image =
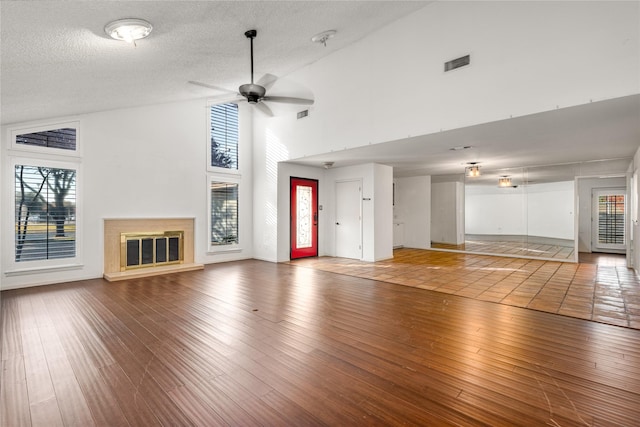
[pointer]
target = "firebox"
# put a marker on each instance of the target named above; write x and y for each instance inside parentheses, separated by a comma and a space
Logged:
(139, 250)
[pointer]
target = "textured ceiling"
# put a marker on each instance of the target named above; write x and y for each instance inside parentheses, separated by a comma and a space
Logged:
(56, 59)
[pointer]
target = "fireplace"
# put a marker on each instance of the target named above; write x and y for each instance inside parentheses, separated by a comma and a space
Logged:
(140, 247)
(143, 250)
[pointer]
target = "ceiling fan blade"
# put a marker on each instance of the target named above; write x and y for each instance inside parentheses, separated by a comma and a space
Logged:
(264, 109)
(208, 86)
(288, 100)
(267, 80)
(226, 99)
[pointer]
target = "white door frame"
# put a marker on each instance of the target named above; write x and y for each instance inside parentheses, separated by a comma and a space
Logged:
(603, 247)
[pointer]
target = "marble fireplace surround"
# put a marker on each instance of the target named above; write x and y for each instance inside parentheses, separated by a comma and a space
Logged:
(113, 227)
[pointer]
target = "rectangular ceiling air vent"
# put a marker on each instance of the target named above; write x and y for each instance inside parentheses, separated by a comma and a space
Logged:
(303, 114)
(457, 63)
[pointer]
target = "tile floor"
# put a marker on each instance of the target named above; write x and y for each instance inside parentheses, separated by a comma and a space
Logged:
(599, 288)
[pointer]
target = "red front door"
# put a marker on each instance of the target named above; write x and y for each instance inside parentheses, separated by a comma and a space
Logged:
(304, 218)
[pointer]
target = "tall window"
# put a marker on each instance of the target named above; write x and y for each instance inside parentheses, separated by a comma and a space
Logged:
(45, 165)
(224, 213)
(45, 213)
(224, 136)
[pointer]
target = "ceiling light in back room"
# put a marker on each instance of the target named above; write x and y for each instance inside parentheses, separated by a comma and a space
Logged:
(504, 181)
(128, 30)
(472, 170)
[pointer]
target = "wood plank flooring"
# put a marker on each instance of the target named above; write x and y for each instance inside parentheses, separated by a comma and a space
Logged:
(605, 292)
(256, 343)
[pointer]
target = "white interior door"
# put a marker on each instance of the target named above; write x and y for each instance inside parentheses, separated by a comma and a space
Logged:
(349, 219)
(609, 212)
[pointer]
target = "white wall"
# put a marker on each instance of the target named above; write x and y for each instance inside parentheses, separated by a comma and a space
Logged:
(144, 162)
(550, 210)
(447, 212)
(543, 210)
(634, 256)
(382, 198)
(489, 211)
(413, 209)
(391, 85)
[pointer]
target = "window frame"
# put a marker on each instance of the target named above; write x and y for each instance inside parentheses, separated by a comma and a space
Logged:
(25, 148)
(217, 169)
(25, 267)
(234, 247)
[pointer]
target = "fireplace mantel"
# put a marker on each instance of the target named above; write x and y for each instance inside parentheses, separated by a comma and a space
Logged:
(113, 229)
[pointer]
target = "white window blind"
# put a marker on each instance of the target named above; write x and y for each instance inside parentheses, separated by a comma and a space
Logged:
(224, 213)
(224, 136)
(611, 222)
(45, 213)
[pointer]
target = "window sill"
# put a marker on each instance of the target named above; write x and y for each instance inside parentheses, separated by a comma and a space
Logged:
(39, 270)
(221, 251)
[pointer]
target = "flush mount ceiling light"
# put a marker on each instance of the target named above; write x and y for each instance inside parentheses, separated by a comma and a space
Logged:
(473, 170)
(504, 181)
(128, 30)
(323, 37)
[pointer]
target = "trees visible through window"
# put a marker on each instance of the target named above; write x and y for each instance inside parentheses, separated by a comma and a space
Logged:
(224, 136)
(45, 213)
(224, 213)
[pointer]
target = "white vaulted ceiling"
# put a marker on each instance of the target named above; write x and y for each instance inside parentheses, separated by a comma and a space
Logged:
(56, 59)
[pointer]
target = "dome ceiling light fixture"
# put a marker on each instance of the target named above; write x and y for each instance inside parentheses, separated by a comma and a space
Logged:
(128, 29)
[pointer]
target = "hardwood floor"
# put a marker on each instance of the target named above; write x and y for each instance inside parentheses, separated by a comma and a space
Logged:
(256, 343)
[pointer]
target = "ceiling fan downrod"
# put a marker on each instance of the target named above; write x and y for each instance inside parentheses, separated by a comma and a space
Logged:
(251, 34)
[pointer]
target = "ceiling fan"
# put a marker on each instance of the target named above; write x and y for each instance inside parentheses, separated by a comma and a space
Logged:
(256, 93)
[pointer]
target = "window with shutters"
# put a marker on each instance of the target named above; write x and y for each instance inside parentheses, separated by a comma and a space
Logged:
(223, 204)
(45, 165)
(45, 213)
(611, 212)
(224, 180)
(223, 136)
